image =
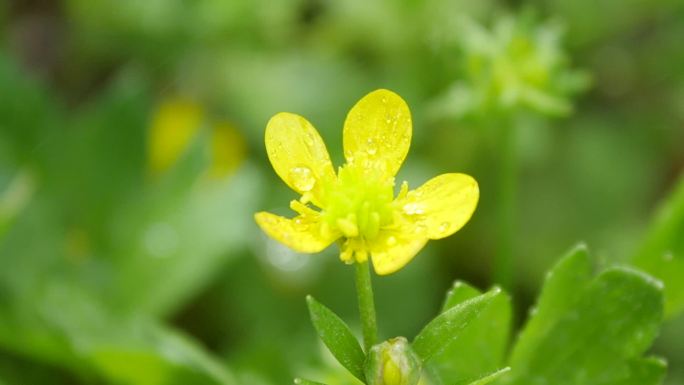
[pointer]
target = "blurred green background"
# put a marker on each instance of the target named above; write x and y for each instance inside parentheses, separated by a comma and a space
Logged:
(132, 161)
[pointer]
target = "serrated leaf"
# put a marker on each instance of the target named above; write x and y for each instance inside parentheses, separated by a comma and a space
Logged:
(481, 345)
(448, 326)
(661, 253)
(491, 377)
(563, 288)
(337, 336)
(596, 340)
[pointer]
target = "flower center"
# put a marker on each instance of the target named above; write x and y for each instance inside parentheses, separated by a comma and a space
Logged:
(360, 203)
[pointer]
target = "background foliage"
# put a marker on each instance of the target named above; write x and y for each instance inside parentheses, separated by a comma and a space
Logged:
(132, 159)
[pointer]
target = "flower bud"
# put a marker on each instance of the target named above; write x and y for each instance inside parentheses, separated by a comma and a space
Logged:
(393, 362)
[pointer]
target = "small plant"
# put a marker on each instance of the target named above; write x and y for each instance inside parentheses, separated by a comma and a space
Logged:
(586, 328)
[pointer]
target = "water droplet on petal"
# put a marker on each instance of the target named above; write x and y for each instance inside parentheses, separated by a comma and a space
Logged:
(309, 139)
(391, 240)
(413, 209)
(443, 227)
(372, 148)
(301, 224)
(421, 228)
(302, 178)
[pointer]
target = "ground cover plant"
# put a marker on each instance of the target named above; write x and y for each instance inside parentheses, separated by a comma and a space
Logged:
(341, 193)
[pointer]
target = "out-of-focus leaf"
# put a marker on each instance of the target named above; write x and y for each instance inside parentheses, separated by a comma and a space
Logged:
(337, 337)
(184, 240)
(66, 328)
(662, 251)
(14, 198)
(589, 332)
(491, 377)
(481, 346)
(301, 381)
(447, 327)
(23, 370)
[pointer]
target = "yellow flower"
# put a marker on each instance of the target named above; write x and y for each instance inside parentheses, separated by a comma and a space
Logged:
(357, 205)
(174, 126)
(177, 123)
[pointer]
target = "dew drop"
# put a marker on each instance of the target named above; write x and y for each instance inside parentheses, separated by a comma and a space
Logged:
(413, 209)
(443, 227)
(309, 139)
(302, 178)
(301, 224)
(372, 148)
(391, 240)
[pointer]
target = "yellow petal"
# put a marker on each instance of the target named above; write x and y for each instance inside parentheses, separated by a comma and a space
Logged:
(305, 235)
(377, 132)
(392, 250)
(298, 155)
(441, 206)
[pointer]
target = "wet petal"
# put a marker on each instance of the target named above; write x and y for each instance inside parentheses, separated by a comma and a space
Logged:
(298, 155)
(441, 206)
(392, 250)
(305, 235)
(377, 132)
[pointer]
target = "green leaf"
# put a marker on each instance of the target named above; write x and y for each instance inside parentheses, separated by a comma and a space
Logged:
(459, 292)
(661, 253)
(481, 346)
(448, 326)
(301, 381)
(589, 332)
(337, 337)
(645, 371)
(563, 288)
(65, 327)
(491, 377)
(206, 225)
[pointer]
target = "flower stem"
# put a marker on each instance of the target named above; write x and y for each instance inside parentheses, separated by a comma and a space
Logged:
(507, 189)
(364, 291)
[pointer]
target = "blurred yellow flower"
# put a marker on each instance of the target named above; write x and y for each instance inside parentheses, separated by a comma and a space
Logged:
(174, 125)
(228, 150)
(357, 205)
(177, 123)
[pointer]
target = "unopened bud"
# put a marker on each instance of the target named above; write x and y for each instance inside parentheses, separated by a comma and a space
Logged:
(393, 362)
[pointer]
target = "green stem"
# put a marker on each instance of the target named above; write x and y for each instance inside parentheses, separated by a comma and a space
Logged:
(364, 291)
(507, 190)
